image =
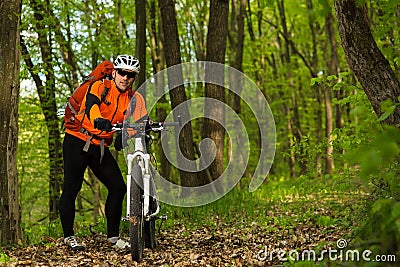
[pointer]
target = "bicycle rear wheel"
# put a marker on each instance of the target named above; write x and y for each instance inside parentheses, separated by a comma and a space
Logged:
(136, 219)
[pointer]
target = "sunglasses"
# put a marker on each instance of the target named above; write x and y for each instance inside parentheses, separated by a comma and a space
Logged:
(129, 74)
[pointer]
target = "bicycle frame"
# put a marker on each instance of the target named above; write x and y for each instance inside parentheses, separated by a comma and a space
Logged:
(143, 160)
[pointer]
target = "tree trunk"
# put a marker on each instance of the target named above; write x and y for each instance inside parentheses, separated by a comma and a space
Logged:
(48, 104)
(372, 69)
(333, 63)
(293, 137)
(10, 216)
(177, 93)
(66, 47)
(329, 162)
(216, 47)
(140, 7)
(120, 25)
(318, 130)
(236, 40)
(197, 31)
(320, 96)
(157, 58)
(98, 210)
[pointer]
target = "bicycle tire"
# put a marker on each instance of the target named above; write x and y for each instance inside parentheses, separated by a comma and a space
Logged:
(136, 220)
(150, 226)
(150, 229)
(150, 237)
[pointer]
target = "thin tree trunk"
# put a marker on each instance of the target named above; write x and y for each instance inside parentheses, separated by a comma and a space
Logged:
(98, 210)
(66, 47)
(140, 7)
(157, 56)
(333, 63)
(198, 32)
(320, 96)
(10, 215)
(297, 132)
(285, 56)
(120, 25)
(236, 39)
(48, 104)
(318, 131)
(333, 70)
(328, 131)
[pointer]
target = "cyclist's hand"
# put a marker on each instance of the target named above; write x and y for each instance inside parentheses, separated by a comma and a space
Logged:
(118, 142)
(102, 124)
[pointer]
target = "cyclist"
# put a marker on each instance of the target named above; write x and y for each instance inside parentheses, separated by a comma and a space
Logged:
(89, 147)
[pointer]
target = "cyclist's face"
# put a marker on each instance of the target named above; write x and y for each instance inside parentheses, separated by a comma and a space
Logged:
(124, 78)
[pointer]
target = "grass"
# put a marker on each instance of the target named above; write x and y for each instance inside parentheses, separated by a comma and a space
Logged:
(279, 203)
(323, 201)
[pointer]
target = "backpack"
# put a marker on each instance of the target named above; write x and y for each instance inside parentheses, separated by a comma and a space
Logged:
(73, 105)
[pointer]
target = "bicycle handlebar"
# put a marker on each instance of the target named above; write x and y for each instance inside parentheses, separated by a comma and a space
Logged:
(146, 125)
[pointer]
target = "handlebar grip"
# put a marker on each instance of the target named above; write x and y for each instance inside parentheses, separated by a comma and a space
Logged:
(154, 126)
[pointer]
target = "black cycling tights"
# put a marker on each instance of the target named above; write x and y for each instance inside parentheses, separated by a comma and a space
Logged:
(108, 172)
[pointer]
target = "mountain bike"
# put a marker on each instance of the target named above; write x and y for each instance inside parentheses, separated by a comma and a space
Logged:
(142, 205)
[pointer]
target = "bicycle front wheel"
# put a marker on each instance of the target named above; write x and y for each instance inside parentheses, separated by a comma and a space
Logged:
(136, 216)
(150, 228)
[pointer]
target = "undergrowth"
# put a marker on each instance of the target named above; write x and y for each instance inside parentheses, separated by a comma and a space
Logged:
(269, 203)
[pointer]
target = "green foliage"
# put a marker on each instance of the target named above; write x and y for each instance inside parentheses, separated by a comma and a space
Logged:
(388, 108)
(386, 36)
(32, 162)
(378, 156)
(379, 169)
(4, 258)
(298, 201)
(39, 234)
(382, 230)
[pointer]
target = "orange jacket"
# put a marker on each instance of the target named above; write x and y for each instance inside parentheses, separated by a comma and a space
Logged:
(113, 109)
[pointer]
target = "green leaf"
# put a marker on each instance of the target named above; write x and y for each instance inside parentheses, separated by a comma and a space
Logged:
(389, 112)
(332, 78)
(4, 258)
(388, 107)
(315, 81)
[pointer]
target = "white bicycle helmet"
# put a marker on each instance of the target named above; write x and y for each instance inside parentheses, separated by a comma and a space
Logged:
(127, 62)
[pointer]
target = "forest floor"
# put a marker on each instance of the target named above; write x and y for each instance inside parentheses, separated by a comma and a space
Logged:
(235, 238)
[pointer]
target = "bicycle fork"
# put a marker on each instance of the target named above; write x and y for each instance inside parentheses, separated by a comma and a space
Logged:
(144, 163)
